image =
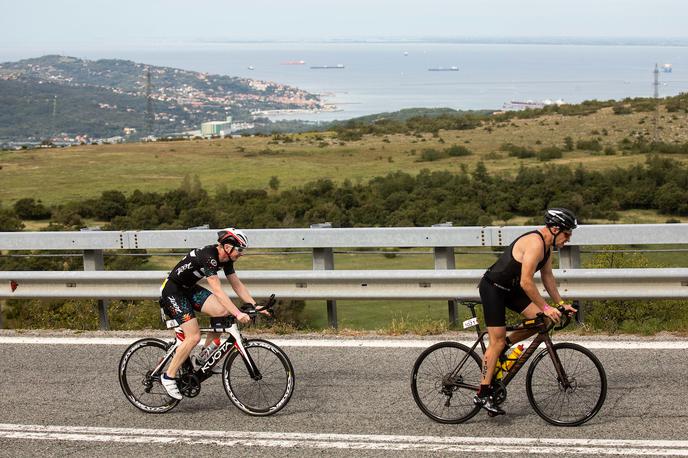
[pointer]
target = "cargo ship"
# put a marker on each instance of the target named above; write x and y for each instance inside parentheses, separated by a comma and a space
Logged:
(327, 67)
(453, 68)
(294, 62)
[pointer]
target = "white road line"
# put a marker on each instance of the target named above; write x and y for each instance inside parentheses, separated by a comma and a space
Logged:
(348, 441)
(349, 343)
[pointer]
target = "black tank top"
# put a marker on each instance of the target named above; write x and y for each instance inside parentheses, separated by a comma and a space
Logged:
(506, 272)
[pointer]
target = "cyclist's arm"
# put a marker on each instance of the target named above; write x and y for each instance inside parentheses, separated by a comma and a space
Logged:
(240, 289)
(216, 288)
(549, 282)
(550, 285)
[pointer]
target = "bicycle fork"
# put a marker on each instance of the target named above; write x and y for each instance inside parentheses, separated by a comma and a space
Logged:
(239, 345)
(562, 378)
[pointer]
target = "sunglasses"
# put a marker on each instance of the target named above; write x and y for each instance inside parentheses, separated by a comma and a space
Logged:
(240, 249)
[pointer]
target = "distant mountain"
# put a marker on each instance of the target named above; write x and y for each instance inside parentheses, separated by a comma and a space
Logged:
(52, 95)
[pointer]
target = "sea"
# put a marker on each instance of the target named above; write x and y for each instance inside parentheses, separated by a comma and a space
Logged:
(385, 77)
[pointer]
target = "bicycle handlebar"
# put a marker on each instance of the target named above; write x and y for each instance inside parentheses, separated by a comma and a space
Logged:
(565, 319)
(253, 310)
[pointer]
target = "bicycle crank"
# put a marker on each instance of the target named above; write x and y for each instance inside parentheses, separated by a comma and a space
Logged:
(189, 385)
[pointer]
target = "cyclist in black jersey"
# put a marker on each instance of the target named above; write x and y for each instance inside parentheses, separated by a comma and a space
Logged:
(509, 283)
(181, 296)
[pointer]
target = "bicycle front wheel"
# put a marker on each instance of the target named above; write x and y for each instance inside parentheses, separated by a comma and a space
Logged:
(140, 387)
(444, 381)
(264, 395)
(569, 402)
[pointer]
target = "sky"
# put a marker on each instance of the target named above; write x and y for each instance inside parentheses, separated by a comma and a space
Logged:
(40, 26)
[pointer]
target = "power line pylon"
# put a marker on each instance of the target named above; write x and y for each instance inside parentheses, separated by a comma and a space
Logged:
(150, 116)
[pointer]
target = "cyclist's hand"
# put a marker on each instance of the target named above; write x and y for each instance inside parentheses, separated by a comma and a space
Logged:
(553, 314)
(569, 309)
(243, 318)
(264, 311)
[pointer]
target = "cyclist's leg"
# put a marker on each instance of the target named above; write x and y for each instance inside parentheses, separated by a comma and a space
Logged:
(521, 303)
(495, 320)
(209, 304)
(192, 335)
(177, 305)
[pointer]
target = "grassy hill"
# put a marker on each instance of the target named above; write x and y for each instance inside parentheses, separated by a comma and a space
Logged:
(59, 175)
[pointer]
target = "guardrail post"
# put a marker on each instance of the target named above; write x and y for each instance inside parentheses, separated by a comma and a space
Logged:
(444, 259)
(323, 259)
(569, 258)
(93, 260)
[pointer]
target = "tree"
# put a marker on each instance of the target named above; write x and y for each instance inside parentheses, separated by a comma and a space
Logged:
(274, 183)
(568, 143)
(28, 208)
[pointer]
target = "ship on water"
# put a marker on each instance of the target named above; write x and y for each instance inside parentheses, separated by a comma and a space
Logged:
(327, 67)
(453, 68)
(294, 62)
(519, 105)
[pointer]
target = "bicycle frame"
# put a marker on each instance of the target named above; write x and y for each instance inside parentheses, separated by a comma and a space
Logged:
(542, 336)
(234, 342)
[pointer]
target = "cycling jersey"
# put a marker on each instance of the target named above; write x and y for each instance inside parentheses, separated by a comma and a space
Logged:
(500, 286)
(198, 264)
(180, 295)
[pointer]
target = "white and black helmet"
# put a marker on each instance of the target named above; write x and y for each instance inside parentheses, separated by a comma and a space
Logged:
(562, 218)
(234, 237)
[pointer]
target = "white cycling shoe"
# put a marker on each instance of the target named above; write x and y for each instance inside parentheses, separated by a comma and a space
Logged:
(170, 386)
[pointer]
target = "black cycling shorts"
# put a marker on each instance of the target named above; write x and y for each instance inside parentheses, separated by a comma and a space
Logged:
(495, 300)
(180, 303)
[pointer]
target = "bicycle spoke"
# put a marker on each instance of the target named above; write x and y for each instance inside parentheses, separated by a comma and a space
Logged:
(431, 387)
(266, 395)
(571, 401)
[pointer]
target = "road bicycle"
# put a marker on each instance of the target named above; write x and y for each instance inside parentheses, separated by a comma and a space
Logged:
(566, 383)
(257, 375)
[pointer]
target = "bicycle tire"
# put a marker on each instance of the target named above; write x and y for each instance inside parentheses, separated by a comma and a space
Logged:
(262, 397)
(146, 393)
(577, 404)
(429, 382)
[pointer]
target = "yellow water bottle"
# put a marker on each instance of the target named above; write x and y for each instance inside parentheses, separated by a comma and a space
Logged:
(498, 374)
(511, 358)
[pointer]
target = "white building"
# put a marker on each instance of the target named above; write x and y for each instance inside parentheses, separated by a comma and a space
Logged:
(212, 128)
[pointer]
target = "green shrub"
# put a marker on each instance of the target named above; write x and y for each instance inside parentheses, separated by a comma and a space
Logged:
(520, 152)
(549, 153)
(458, 150)
(589, 145)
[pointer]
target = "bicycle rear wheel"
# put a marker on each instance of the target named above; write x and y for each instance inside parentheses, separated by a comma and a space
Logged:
(272, 391)
(141, 388)
(441, 396)
(569, 404)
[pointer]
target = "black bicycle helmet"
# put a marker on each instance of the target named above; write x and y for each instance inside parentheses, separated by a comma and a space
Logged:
(234, 237)
(562, 218)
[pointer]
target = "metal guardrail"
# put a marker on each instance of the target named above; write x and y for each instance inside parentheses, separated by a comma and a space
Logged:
(324, 237)
(350, 284)
(326, 283)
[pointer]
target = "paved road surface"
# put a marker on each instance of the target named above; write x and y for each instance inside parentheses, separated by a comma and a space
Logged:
(65, 400)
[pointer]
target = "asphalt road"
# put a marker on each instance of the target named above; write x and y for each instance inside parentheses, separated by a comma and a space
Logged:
(348, 401)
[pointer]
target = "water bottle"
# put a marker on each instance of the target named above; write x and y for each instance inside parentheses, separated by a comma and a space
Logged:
(207, 351)
(511, 358)
(499, 373)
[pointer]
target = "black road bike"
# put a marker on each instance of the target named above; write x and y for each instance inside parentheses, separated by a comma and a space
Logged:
(566, 383)
(257, 375)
